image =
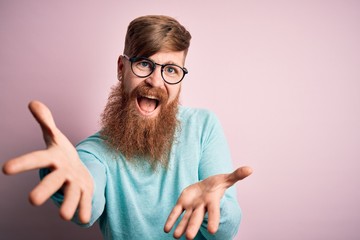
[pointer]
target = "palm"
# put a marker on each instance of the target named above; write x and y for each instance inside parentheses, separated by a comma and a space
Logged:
(200, 197)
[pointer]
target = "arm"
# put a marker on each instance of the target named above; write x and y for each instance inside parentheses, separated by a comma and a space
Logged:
(216, 160)
(67, 173)
(98, 172)
(211, 195)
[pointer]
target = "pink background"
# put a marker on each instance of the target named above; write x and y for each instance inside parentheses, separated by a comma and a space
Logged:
(282, 76)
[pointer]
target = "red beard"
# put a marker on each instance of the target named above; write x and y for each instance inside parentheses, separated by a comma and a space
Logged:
(126, 131)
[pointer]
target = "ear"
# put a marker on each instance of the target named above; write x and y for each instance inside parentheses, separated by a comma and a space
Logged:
(120, 66)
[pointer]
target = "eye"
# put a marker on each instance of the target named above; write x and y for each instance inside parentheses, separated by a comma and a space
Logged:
(172, 70)
(144, 64)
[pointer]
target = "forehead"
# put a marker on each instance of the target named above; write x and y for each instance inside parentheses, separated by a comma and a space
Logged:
(164, 57)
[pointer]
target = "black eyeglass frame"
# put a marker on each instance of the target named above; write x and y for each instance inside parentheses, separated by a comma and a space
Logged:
(136, 59)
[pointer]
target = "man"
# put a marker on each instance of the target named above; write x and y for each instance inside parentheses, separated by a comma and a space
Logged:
(155, 167)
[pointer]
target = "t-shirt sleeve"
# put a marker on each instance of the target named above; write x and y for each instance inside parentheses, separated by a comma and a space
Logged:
(90, 153)
(216, 159)
(98, 173)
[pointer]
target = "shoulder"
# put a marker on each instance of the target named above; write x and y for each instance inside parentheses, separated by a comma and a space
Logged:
(196, 115)
(94, 145)
(93, 140)
(199, 122)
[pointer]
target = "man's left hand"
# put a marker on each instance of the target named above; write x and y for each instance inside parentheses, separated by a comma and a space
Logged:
(199, 198)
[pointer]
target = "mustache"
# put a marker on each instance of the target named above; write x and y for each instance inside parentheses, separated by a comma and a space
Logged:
(144, 90)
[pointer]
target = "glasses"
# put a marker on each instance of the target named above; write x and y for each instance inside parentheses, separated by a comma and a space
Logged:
(144, 67)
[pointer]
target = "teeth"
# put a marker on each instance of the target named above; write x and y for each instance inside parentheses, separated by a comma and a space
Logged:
(151, 97)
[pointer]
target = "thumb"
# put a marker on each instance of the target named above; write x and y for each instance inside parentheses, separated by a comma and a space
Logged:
(44, 117)
(239, 174)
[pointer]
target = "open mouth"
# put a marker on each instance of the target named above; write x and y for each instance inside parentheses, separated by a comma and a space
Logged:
(148, 104)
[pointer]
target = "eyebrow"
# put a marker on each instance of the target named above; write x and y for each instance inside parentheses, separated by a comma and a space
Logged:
(168, 62)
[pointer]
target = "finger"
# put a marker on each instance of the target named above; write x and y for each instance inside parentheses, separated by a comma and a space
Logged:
(173, 216)
(85, 207)
(47, 187)
(214, 216)
(238, 175)
(195, 222)
(180, 229)
(71, 201)
(30, 161)
(44, 117)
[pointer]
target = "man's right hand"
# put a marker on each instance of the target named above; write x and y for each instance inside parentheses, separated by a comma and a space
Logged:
(68, 173)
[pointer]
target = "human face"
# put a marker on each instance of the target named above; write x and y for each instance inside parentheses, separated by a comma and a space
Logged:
(146, 105)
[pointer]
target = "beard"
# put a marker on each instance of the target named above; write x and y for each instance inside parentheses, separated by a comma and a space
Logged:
(136, 136)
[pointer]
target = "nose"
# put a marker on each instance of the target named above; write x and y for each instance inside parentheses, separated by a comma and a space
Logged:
(155, 79)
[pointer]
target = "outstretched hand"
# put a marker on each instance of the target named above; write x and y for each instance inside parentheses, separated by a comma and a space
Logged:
(199, 198)
(68, 174)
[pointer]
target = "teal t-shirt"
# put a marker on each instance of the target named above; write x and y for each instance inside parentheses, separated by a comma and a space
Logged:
(132, 201)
